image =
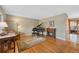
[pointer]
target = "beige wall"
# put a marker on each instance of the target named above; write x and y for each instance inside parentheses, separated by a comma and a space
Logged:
(26, 24)
(60, 24)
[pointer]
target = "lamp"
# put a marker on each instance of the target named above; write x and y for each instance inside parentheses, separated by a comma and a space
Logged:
(2, 26)
(18, 28)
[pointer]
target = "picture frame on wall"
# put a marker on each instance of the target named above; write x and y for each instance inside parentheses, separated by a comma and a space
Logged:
(51, 23)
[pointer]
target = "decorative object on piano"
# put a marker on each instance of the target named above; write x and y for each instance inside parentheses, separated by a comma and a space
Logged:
(2, 26)
(38, 30)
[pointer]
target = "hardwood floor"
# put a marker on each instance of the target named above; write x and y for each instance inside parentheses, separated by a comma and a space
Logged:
(51, 45)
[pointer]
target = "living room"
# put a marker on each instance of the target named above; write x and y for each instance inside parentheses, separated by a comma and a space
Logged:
(40, 29)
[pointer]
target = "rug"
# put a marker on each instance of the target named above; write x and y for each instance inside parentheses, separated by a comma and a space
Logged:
(27, 43)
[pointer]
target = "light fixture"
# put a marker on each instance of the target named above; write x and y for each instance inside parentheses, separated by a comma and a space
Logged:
(3, 24)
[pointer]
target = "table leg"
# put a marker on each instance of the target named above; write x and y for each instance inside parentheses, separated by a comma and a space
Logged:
(14, 46)
(2, 47)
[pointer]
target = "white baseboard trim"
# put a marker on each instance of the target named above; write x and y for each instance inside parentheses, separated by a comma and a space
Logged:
(44, 34)
(60, 38)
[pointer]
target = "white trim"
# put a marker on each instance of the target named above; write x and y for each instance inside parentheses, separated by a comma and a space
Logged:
(60, 38)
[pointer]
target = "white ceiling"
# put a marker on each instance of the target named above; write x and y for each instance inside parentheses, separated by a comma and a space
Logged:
(41, 11)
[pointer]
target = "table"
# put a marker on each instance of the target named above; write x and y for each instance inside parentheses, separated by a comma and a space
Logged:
(51, 32)
(7, 39)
